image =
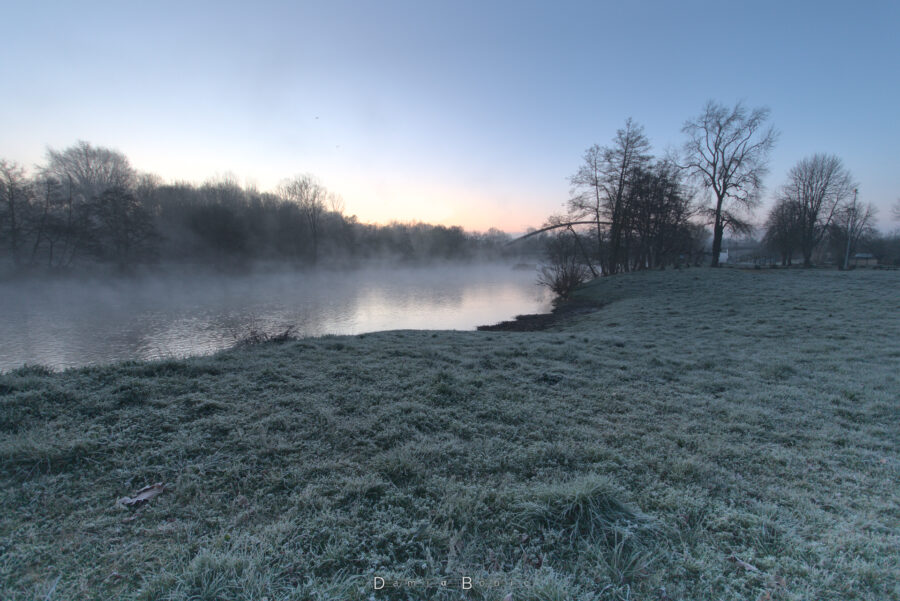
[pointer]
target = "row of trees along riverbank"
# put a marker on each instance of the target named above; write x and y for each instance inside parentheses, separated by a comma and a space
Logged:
(87, 206)
(629, 210)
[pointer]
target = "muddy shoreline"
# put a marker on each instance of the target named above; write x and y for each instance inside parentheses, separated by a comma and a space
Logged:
(542, 321)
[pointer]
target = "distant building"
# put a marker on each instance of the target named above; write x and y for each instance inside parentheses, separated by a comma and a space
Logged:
(723, 256)
(863, 260)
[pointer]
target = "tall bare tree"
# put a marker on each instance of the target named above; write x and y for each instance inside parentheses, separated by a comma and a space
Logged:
(818, 186)
(600, 187)
(85, 172)
(91, 169)
(310, 196)
(851, 223)
(47, 226)
(15, 191)
(728, 151)
(586, 202)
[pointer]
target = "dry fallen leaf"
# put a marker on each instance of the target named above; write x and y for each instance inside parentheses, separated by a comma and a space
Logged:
(743, 564)
(143, 495)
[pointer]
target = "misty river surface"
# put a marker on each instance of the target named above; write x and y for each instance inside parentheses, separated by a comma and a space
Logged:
(75, 323)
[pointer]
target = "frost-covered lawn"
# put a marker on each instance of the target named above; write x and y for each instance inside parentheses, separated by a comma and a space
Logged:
(705, 435)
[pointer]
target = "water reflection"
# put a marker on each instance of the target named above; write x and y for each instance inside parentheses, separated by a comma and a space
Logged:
(64, 324)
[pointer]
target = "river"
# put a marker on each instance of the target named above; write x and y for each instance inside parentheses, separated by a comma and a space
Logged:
(64, 323)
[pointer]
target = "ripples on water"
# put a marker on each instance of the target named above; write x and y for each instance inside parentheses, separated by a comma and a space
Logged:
(65, 324)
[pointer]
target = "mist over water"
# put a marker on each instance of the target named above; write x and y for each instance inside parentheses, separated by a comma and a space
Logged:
(75, 323)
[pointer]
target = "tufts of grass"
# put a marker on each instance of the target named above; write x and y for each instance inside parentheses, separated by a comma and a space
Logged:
(587, 507)
(624, 560)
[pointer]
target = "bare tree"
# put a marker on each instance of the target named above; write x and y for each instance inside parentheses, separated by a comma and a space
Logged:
(600, 187)
(728, 150)
(310, 196)
(851, 223)
(90, 169)
(640, 210)
(47, 223)
(659, 206)
(586, 202)
(336, 203)
(818, 186)
(15, 192)
(85, 172)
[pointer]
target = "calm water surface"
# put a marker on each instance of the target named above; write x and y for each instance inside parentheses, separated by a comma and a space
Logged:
(65, 324)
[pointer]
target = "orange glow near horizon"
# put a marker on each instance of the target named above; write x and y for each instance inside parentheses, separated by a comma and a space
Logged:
(471, 210)
(377, 198)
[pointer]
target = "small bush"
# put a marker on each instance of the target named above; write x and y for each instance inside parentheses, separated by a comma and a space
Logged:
(565, 270)
(563, 276)
(257, 336)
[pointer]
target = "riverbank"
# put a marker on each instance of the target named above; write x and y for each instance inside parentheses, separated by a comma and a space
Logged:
(534, 322)
(706, 434)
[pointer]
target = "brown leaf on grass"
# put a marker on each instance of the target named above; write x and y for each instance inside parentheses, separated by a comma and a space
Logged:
(143, 495)
(766, 596)
(743, 564)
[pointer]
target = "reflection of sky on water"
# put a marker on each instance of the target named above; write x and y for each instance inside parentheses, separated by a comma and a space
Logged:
(70, 324)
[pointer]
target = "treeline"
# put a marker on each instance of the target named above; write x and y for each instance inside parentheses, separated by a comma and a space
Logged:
(87, 206)
(627, 211)
(817, 217)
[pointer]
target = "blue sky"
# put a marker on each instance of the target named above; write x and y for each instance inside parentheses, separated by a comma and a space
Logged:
(471, 113)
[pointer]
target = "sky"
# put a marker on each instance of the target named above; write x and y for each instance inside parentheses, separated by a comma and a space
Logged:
(459, 113)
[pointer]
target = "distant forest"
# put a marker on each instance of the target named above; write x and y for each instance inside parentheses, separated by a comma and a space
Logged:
(88, 207)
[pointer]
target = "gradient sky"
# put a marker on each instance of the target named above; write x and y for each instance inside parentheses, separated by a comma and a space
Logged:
(469, 113)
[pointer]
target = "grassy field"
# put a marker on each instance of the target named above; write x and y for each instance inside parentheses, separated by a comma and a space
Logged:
(705, 434)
